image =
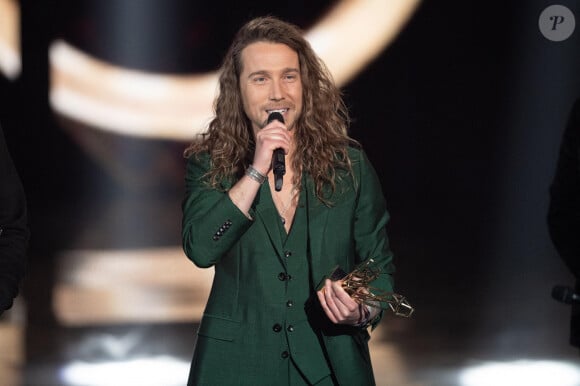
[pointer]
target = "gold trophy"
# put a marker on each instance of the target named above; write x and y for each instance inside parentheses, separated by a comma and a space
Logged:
(357, 285)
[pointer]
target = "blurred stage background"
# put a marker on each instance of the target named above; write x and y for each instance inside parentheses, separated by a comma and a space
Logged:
(460, 106)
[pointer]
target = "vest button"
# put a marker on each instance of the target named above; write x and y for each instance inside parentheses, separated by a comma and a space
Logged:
(285, 354)
(277, 328)
(282, 276)
(289, 303)
(290, 328)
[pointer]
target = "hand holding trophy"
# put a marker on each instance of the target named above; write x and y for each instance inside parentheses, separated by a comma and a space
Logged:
(357, 285)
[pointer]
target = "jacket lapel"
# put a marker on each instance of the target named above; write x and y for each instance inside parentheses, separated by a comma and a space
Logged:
(317, 216)
(267, 215)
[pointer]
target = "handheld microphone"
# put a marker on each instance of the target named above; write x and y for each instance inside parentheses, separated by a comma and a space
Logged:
(565, 294)
(278, 157)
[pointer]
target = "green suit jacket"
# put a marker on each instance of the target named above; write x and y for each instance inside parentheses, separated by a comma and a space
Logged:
(236, 343)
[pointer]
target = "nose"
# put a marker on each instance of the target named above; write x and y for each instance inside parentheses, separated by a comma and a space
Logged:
(276, 93)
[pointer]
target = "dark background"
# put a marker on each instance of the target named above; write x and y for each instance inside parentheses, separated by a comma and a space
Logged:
(461, 116)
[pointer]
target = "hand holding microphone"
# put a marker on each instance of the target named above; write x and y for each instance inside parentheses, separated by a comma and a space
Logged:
(278, 156)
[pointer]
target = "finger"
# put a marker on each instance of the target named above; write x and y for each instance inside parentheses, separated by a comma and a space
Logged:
(350, 311)
(266, 143)
(324, 305)
(334, 305)
(328, 295)
(342, 297)
(343, 313)
(273, 139)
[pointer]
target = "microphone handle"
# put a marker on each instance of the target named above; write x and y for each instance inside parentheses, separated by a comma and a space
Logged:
(279, 167)
(278, 157)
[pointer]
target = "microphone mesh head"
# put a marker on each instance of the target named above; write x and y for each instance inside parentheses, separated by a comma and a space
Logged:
(275, 115)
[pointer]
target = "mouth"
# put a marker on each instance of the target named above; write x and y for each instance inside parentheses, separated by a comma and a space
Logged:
(281, 111)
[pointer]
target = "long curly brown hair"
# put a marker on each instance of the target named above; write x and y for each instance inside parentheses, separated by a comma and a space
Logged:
(321, 130)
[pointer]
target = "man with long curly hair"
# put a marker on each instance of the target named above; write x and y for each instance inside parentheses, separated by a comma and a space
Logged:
(273, 316)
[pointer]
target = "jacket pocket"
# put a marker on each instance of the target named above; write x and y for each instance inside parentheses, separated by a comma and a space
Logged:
(218, 328)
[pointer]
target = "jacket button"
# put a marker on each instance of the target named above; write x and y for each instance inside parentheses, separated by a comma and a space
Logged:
(285, 354)
(289, 303)
(277, 328)
(215, 237)
(282, 276)
(287, 253)
(290, 328)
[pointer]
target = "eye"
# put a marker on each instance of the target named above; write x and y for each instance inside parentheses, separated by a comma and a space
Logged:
(259, 79)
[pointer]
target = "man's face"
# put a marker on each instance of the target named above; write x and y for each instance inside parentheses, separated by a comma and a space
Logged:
(270, 80)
